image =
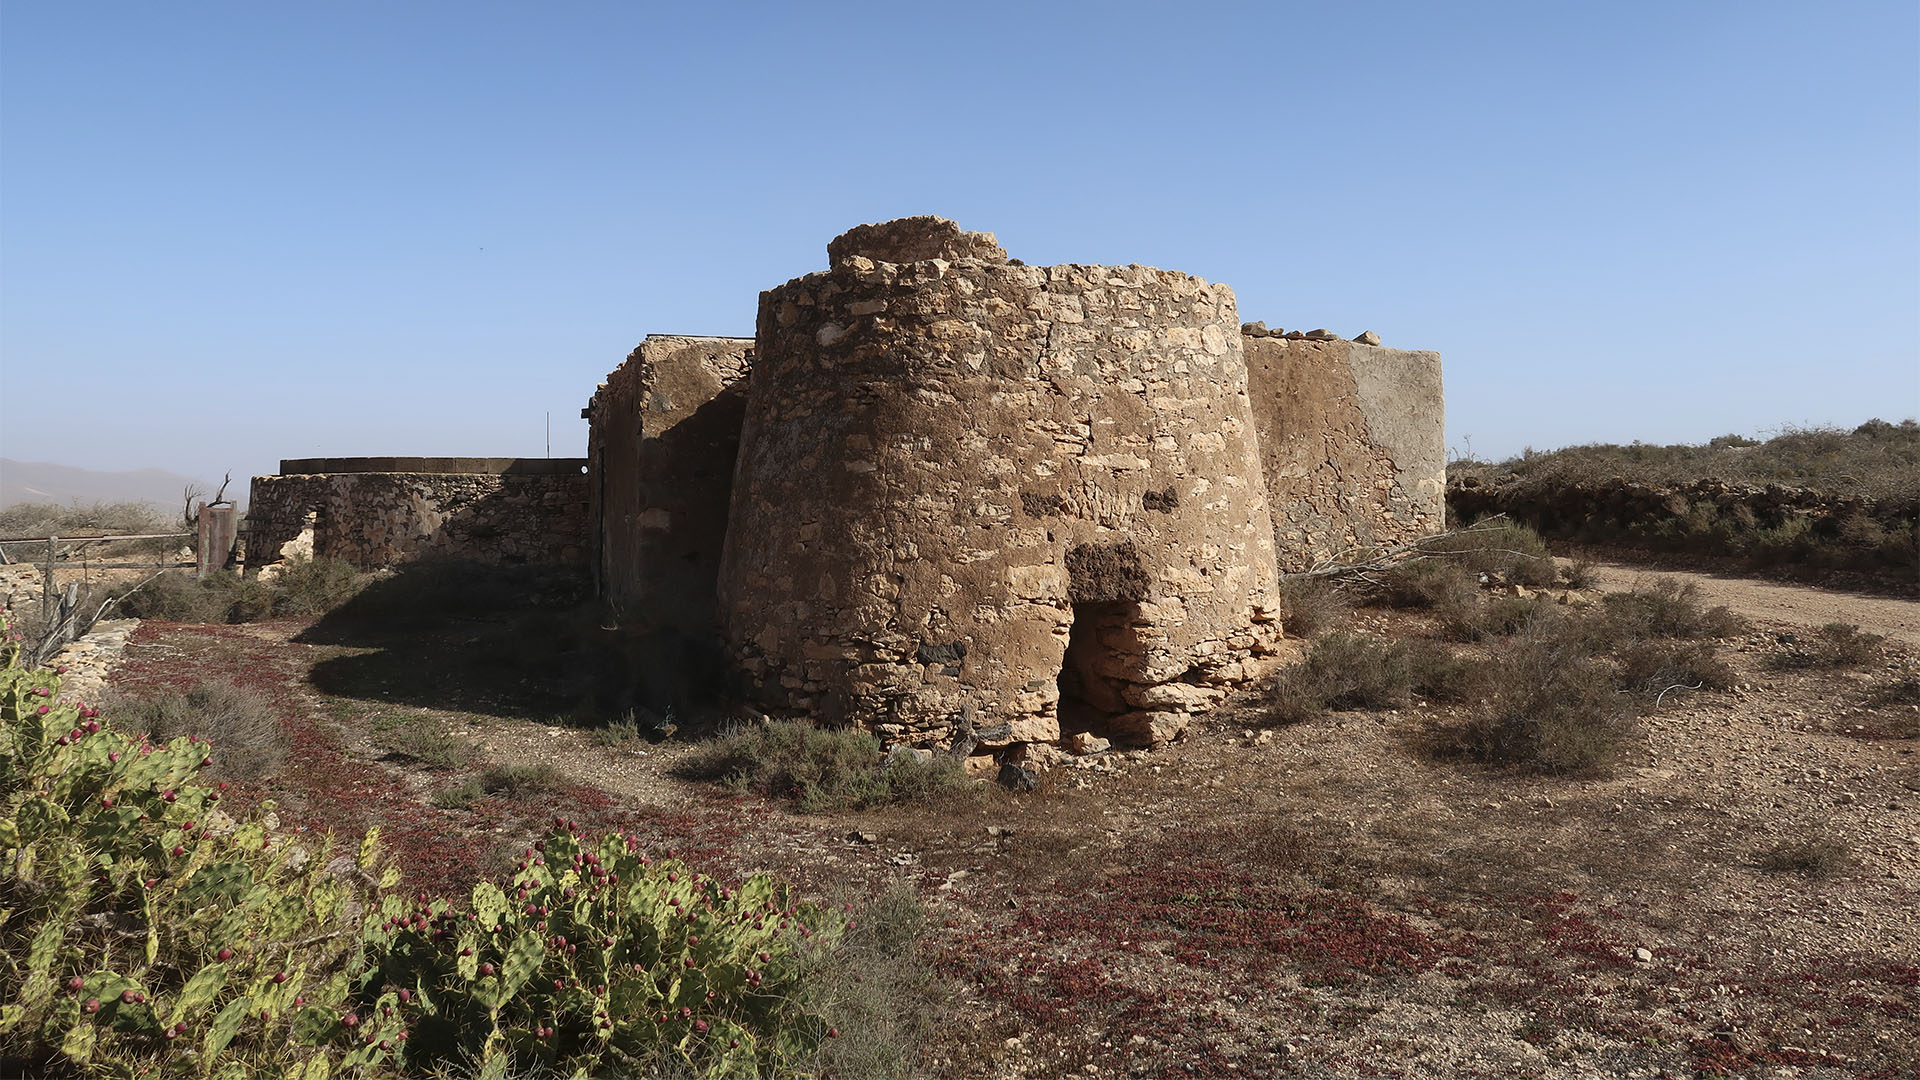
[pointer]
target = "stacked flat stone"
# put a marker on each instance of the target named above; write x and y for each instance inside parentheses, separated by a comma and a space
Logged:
(946, 451)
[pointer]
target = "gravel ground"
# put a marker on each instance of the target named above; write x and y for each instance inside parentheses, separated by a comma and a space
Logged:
(1322, 900)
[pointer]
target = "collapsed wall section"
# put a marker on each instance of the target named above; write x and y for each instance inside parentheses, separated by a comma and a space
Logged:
(663, 431)
(375, 514)
(946, 462)
(1352, 444)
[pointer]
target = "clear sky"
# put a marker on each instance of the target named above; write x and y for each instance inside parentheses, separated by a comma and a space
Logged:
(231, 233)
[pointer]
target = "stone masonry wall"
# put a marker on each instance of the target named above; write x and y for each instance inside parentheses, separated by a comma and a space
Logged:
(949, 458)
(663, 433)
(1352, 442)
(376, 520)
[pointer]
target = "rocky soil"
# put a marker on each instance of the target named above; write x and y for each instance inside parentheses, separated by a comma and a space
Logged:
(1323, 900)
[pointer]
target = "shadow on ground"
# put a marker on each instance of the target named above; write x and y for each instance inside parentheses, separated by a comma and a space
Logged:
(519, 642)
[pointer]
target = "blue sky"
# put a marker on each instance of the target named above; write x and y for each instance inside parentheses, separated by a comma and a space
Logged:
(231, 233)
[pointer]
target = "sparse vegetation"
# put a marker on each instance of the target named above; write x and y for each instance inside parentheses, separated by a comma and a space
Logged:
(235, 952)
(821, 769)
(880, 985)
(460, 796)
(302, 587)
(1875, 459)
(1350, 671)
(1310, 606)
(517, 781)
(1548, 705)
(242, 724)
(36, 519)
(1817, 498)
(421, 739)
(1835, 646)
(1813, 856)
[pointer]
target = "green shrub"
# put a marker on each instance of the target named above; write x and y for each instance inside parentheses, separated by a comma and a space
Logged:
(145, 933)
(515, 781)
(822, 769)
(422, 739)
(243, 724)
(622, 732)
(460, 796)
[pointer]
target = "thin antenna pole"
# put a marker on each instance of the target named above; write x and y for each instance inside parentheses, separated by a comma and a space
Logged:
(549, 432)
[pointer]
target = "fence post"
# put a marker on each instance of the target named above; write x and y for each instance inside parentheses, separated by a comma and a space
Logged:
(217, 534)
(69, 612)
(46, 583)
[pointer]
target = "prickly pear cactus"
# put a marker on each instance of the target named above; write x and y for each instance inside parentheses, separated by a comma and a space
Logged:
(595, 957)
(143, 929)
(145, 932)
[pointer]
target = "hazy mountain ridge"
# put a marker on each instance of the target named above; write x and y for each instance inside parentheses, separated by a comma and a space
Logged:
(44, 481)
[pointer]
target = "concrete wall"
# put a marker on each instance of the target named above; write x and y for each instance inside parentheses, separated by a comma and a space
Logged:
(507, 511)
(663, 432)
(949, 460)
(1352, 444)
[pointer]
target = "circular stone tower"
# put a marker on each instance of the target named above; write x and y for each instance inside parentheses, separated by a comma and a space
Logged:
(964, 481)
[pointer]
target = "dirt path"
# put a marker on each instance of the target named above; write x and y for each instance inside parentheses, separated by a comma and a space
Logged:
(1804, 605)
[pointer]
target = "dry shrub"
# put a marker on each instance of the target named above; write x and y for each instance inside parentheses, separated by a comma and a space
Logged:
(1813, 856)
(1547, 705)
(1581, 573)
(881, 991)
(304, 587)
(1664, 608)
(1512, 552)
(1834, 646)
(1877, 458)
(1350, 671)
(1441, 674)
(1650, 668)
(315, 586)
(1310, 606)
(1501, 617)
(250, 743)
(1895, 692)
(822, 769)
(1432, 583)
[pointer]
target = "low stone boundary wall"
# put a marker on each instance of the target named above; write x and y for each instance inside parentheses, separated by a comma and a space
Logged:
(492, 510)
(1771, 523)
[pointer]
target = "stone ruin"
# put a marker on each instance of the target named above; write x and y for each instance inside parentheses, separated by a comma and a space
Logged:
(939, 483)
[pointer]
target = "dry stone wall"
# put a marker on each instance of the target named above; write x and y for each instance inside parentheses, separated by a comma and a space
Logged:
(1352, 442)
(503, 511)
(955, 470)
(663, 433)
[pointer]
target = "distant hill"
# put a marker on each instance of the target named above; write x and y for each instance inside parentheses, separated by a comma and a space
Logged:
(45, 482)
